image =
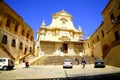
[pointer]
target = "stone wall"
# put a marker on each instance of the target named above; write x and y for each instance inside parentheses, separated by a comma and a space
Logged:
(17, 38)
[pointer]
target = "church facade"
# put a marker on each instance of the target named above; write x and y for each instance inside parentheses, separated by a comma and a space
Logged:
(60, 37)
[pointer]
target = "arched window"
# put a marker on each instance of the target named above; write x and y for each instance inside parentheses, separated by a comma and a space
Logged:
(23, 32)
(112, 18)
(31, 38)
(102, 33)
(4, 39)
(30, 49)
(21, 45)
(97, 38)
(25, 51)
(27, 35)
(13, 43)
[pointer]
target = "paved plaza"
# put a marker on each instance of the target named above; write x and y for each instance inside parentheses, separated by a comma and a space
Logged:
(55, 71)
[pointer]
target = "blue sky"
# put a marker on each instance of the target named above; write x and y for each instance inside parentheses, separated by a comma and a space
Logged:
(86, 13)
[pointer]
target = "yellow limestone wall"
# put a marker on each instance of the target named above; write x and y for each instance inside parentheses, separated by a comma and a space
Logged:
(113, 57)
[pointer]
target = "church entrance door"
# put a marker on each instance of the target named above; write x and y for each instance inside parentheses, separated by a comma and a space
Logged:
(65, 48)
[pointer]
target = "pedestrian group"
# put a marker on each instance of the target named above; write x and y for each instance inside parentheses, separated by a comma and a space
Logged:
(83, 62)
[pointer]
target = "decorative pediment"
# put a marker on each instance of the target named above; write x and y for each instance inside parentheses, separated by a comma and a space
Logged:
(64, 38)
(62, 13)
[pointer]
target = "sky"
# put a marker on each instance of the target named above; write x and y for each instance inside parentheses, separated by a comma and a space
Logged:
(86, 13)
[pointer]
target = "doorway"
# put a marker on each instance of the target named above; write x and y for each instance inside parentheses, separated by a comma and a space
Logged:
(65, 47)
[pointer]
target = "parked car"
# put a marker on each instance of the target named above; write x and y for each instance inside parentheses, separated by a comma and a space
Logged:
(6, 63)
(67, 63)
(99, 63)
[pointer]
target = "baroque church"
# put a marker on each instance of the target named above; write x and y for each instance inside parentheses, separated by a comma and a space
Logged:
(60, 37)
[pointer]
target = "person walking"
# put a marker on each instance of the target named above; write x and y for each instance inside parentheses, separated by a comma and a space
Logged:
(27, 63)
(83, 62)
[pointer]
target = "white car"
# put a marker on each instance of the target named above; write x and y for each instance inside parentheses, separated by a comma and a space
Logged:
(67, 63)
(6, 63)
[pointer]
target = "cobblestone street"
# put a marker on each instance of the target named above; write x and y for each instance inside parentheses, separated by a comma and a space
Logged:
(54, 71)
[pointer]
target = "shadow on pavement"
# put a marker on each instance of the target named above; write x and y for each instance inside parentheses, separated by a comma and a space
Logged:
(112, 76)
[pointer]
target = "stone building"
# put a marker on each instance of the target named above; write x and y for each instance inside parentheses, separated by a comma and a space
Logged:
(16, 36)
(60, 37)
(105, 41)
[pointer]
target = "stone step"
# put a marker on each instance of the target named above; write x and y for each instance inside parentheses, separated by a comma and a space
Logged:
(58, 60)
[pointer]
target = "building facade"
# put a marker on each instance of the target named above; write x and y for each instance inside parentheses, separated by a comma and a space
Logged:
(16, 37)
(105, 42)
(60, 37)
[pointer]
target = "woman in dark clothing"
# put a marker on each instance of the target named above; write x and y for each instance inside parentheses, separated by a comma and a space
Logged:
(83, 62)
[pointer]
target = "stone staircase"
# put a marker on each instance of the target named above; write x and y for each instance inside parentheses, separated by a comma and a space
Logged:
(7, 52)
(16, 60)
(58, 60)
